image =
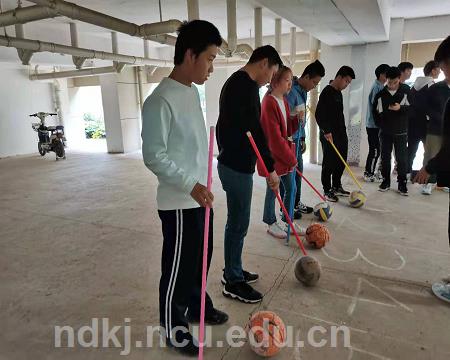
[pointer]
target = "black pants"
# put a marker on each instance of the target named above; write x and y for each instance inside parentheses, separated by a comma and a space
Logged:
(332, 166)
(181, 266)
(413, 145)
(373, 137)
(398, 142)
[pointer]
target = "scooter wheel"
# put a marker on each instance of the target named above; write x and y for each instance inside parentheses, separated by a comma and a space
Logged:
(41, 149)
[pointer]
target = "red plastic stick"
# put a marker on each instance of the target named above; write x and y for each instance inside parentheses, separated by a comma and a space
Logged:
(312, 186)
(205, 247)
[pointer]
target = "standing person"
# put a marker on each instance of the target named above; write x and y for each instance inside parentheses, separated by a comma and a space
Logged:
(331, 121)
(175, 149)
(437, 96)
(405, 68)
(239, 112)
(440, 164)
(373, 132)
(279, 126)
(390, 110)
(417, 127)
(297, 99)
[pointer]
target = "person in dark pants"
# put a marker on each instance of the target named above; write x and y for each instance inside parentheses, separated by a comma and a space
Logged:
(440, 164)
(417, 124)
(331, 121)
(239, 112)
(298, 99)
(373, 132)
(390, 110)
(173, 120)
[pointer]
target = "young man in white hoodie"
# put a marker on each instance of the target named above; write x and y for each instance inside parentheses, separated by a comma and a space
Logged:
(417, 129)
(175, 149)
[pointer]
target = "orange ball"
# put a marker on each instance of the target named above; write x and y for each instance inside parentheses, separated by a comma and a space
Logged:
(317, 235)
(266, 332)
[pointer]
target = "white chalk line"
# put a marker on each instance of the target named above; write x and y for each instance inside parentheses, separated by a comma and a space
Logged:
(360, 254)
(360, 299)
(352, 348)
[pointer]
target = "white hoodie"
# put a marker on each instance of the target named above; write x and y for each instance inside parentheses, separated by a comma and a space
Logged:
(423, 81)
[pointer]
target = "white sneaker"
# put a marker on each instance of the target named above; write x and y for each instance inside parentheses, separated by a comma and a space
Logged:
(369, 178)
(277, 230)
(300, 230)
(427, 189)
(378, 178)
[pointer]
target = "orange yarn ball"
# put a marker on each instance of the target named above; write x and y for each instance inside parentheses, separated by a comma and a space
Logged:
(267, 333)
(317, 235)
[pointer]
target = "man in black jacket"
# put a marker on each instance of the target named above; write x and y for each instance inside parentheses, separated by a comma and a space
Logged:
(440, 164)
(331, 120)
(417, 130)
(437, 96)
(239, 112)
(390, 111)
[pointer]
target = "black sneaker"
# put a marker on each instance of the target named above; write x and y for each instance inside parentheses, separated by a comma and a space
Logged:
(304, 209)
(402, 189)
(243, 292)
(331, 196)
(185, 344)
(297, 214)
(249, 277)
(341, 192)
(212, 317)
(385, 186)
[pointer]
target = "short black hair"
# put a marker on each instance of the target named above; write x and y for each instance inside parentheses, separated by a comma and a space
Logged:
(381, 69)
(393, 72)
(196, 35)
(345, 71)
(429, 67)
(443, 51)
(314, 69)
(405, 65)
(266, 52)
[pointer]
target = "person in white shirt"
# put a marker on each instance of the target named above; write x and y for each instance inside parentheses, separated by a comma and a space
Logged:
(175, 149)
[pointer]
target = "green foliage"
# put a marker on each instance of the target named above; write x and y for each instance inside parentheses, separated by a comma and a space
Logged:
(94, 127)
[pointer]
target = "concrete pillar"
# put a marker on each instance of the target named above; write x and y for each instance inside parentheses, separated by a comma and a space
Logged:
(258, 27)
(293, 45)
(314, 46)
(278, 34)
(193, 10)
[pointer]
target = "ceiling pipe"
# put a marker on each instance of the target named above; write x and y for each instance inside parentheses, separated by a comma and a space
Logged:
(93, 17)
(258, 27)
(22, 15)
(193, 10)
(40, 46)
(77, 60)
(74, 73)
(231, 25)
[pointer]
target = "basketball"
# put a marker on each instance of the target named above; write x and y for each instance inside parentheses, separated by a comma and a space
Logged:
(357, 199)
(323, 211)
(307, 270)
(266, 332)
(317, 235)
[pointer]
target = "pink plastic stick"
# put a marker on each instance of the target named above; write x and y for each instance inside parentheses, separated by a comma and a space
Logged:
(312, 187)
(205, 247)
(285, 212)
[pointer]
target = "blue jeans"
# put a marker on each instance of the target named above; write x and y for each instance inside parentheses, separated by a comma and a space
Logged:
(269, 216)
(298, 179)
(238, 188)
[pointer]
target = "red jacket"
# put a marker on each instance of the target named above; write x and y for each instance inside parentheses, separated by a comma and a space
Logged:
(274, 127)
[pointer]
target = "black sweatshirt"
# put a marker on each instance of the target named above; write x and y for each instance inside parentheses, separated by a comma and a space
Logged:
(239, 112)
(440, 164)
(437, 95)
(330, 112)
(389, 121)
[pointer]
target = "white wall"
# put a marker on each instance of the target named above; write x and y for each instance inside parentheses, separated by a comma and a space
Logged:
(19, 98)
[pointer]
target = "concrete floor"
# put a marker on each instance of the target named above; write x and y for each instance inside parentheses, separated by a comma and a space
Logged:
(81, 239)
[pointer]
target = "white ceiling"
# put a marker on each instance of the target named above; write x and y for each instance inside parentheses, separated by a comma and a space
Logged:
(419, 8)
